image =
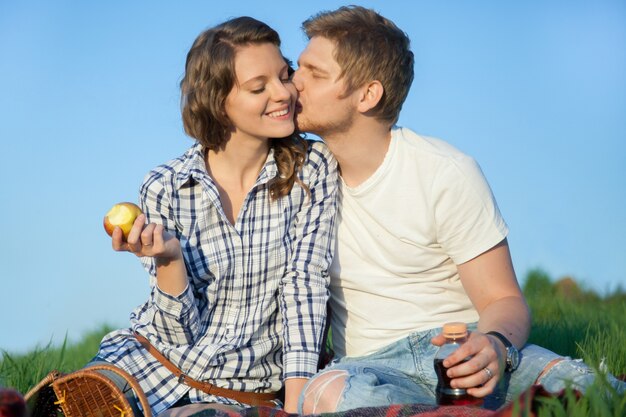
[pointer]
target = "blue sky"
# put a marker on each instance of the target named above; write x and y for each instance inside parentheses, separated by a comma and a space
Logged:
(89, 102)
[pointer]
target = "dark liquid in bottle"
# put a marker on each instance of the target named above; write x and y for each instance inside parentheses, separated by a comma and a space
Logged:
(447, 395)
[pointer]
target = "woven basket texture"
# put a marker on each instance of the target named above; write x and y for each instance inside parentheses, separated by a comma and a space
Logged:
(85, 393)
(90, 394)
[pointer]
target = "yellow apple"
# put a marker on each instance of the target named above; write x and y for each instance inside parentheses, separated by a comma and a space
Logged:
(122, 215)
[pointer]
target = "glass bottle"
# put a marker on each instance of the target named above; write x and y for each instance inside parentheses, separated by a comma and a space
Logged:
(456, 335)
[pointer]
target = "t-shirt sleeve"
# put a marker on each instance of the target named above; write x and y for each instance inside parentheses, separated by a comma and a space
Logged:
(467, 215)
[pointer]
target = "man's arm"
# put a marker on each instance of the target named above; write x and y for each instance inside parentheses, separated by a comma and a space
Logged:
(489, 281)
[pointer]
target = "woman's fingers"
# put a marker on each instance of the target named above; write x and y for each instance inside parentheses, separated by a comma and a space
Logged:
(146, 240)
(134, 236)
(147, 237)
(157, 243)
(117, 240)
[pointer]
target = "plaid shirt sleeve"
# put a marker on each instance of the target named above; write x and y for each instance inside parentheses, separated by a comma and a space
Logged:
(305, 283)
(175, 319)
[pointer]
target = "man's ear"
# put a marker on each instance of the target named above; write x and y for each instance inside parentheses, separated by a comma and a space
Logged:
(371, 93)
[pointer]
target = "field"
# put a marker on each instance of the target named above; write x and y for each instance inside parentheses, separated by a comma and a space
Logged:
(566, 319)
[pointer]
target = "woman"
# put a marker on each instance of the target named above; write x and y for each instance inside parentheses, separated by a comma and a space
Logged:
(239, 235)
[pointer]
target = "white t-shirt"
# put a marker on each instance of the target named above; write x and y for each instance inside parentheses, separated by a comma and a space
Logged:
(400, 235)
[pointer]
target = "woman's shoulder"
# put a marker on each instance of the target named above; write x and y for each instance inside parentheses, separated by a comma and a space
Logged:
(318, 152)
(320, 163)
(176, 169)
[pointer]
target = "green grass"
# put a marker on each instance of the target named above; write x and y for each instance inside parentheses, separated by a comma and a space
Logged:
(578, 323)
(567, 319)
(23, 371)
(600, 400)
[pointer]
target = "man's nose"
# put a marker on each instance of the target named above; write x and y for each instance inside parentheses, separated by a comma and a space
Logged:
(296, 79)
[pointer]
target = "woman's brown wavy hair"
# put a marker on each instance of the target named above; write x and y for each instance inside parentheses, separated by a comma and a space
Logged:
(209, 78)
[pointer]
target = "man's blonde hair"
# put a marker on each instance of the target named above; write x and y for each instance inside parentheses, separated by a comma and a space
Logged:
(368, 47)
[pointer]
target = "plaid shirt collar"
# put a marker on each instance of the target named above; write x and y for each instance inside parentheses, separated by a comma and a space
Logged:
(194, 167)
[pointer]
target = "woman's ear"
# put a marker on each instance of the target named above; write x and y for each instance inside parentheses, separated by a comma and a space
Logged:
(371, 93)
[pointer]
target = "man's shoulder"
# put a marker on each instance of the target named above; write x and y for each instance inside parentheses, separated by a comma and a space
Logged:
(432, 157)
(425, 145)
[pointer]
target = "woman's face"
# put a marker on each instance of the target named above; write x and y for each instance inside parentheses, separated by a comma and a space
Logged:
(261, 103)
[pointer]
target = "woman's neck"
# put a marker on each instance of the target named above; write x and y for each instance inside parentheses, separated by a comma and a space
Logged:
(235, 170)
(238, 163)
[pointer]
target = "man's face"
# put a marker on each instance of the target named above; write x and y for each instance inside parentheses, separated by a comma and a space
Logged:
(323, 107)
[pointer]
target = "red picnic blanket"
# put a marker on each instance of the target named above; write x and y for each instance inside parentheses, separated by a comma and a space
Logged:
(527, 406)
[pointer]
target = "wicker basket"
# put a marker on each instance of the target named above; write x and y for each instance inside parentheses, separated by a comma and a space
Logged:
(84, 393)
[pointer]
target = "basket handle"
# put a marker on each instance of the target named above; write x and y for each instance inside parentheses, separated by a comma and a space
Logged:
(49, 379)
(147, 412)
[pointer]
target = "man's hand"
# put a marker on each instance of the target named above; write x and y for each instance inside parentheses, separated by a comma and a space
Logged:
(482, 352)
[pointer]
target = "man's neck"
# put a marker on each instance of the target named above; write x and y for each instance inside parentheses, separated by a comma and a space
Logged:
(360, 151)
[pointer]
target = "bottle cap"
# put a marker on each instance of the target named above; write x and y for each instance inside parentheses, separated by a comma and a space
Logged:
(455, 330)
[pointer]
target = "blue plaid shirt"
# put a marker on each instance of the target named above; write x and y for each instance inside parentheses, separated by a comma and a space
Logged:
(253, 312)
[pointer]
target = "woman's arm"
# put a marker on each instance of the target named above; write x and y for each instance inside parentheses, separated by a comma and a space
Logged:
(304, 287)
(175, 314)
(153, 241)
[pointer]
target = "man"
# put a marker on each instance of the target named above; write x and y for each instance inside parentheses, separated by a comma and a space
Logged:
(420, 241)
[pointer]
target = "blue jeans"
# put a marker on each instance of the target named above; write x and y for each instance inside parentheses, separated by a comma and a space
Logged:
(403, 373)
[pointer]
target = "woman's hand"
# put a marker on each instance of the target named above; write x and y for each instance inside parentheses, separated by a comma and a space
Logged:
(484, 368)
(147, 240)
(293, 388)
(152, 240)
